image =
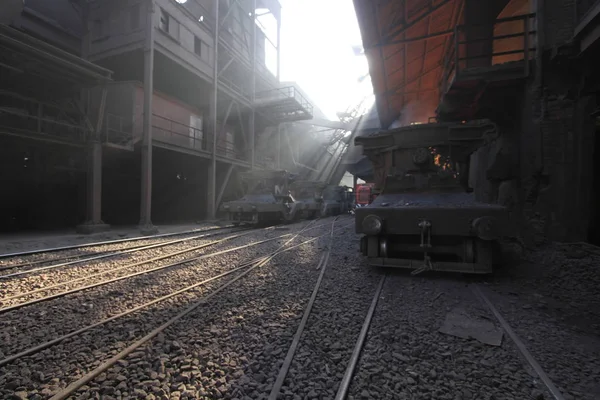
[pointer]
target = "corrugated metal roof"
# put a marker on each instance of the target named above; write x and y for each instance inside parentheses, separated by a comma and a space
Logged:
(405, 43)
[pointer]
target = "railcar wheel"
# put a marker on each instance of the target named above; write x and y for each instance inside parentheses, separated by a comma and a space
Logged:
(484, 253)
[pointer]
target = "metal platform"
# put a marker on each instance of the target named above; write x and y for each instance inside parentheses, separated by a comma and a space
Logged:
(41, 87)
(285, 104)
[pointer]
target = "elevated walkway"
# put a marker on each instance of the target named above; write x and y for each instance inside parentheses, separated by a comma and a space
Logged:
(40, 89)
(470, 73)
(285, 104)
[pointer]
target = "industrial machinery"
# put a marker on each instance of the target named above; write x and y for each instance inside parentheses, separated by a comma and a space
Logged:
(310, 193)
(267, 200)
(337, 200)
(424, 217)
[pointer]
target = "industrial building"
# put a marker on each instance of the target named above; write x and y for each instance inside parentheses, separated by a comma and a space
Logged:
(529, 66)
(145, 111)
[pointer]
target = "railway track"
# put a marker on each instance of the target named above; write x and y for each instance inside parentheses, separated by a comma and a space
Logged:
(62, 261)
(238, 273)
(10, 303)
(386, 341)
(49, 250)
(414, 355)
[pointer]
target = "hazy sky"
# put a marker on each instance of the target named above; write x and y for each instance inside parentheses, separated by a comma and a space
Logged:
(316, 51)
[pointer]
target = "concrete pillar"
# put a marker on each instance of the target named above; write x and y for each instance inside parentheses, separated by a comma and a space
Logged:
(211, 212)
(146, 226)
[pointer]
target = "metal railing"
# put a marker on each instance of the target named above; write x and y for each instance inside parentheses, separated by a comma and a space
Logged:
(513, 39)
(280, 95)
(20, 114)
(119, 131)
(177, 134)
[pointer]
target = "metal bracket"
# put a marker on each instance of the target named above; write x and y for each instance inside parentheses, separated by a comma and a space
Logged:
(425, 244)
(425, 231)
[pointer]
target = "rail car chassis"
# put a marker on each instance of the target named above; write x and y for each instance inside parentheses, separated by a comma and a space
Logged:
(451, 240)
(426, 217)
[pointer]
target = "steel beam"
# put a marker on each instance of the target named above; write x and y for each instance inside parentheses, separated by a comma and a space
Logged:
(212, 170)
(146, 225)
(95, 211)
(241, 120)
(289, 143)
(416, 78)
(226, 118)
(405, 57)
(224, 184)
(397, 20)
(406, 27)
(279, 47)
(335, 174)
(226, 66)
(231, 7)
(325, 123)
(420, 38)
(278, 154)
(252, 121)
(93, 222)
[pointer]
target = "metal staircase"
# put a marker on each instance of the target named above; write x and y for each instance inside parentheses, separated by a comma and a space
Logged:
(342, 140)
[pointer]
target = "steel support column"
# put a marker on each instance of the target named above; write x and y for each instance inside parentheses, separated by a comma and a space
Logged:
(252, 121)
(146, 225)
(224, 184)
(279, 45)
(278, 153)
(93, 222)
(338, 171)
(241, 124)
(212, 169)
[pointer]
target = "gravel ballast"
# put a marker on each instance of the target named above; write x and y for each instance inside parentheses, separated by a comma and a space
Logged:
(552, 301)
(406, 357)
(233, 345)
(69, 313)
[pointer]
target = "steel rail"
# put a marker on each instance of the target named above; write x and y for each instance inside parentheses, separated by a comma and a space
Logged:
(50, 343)
(347, 379)
(105, 282)
(519, 343)
(73, 387)
(287, 362)
(119, 278)
(107, 242)
(108, 254)
(135, 264)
